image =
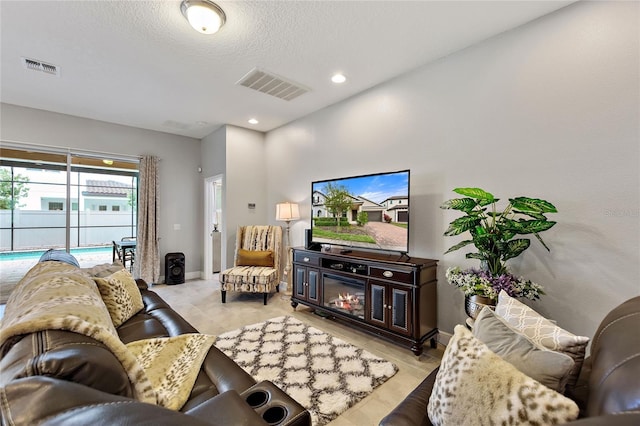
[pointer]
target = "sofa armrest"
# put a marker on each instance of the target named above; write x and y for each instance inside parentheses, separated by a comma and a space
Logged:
(412, 411)
(52, 402)
(142, 284)
(227, 408)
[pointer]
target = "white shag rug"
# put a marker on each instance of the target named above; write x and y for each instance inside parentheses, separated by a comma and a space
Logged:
(324, 374)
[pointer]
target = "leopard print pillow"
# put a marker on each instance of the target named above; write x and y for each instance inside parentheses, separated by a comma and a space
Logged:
(120, 293)
(474, 386)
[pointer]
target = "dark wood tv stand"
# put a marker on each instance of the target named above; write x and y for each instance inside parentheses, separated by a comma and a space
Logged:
(389, 295)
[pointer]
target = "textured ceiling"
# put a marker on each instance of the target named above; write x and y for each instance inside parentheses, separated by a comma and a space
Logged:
(139, 63)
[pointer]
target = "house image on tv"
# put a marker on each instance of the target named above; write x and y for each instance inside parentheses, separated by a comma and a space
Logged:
(395, 207)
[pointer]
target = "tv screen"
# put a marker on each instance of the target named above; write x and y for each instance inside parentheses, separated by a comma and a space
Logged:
(370, 211)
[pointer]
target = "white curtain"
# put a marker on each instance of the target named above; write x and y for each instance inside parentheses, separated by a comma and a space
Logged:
(147, 263)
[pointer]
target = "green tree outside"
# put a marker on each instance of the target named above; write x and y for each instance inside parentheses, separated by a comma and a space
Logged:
(8, 187)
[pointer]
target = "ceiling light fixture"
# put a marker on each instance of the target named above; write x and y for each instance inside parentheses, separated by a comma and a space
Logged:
(338, 78)
(204, 16)
(253, 121)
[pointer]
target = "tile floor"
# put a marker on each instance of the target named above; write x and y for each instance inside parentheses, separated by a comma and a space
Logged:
(199, 303)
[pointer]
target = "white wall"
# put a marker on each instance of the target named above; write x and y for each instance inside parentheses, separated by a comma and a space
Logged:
(548, 110)
(180, 183)
(239, 155)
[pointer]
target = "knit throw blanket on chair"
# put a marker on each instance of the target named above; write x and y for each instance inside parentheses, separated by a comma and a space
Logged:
(58, 296)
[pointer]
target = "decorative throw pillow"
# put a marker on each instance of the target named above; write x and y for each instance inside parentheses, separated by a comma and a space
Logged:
(548, 367)
(543, 332)
(120, 293)
(255, 258)
(104, 269)
(474, 386)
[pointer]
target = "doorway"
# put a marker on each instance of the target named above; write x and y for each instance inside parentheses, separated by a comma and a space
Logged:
(213, 226)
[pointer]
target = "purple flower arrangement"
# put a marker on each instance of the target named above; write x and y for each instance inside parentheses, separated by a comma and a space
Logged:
(479, 282)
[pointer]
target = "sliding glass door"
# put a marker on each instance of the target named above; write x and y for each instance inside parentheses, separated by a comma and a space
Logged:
(60, 201)
(75, 201)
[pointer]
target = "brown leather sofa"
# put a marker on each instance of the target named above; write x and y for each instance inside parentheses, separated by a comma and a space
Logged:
(608, 391)
(63, 378)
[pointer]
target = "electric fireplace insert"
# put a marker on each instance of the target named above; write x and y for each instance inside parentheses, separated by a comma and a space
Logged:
(344, 294)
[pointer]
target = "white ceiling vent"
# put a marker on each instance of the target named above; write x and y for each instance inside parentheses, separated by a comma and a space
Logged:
(35, 65)
(272, 84)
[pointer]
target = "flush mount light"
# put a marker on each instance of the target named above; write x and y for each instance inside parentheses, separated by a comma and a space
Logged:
(253, 121)
(338, 78)
(204, 16)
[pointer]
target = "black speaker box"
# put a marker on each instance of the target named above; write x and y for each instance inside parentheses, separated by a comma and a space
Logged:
(174, 268)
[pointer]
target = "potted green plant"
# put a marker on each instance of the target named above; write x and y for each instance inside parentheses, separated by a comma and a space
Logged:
(497, 236)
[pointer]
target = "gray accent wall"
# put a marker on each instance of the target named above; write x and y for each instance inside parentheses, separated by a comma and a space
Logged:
(548, 110)
(180, 183)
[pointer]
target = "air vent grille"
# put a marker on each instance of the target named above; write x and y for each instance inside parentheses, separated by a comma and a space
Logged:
(272, 84)
(35, 65)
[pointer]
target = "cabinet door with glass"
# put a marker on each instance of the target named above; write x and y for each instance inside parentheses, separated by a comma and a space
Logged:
(306, 285)
(389, 306)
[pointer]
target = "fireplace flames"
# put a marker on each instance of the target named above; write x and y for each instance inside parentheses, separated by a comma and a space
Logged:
(347, 301)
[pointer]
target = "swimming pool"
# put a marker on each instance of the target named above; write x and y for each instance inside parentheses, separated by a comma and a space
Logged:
(35, 254)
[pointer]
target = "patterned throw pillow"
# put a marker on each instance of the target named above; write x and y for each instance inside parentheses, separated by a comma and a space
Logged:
(104, 269)
(474, 386)
(120, 293)
(550, 368)
(543, 332)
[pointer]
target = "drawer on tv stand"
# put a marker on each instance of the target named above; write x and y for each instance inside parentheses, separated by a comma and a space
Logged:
(306, 258)
(400, 276)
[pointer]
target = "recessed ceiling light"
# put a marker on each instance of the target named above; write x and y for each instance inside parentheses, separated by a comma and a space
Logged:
(338, 78)
(253, 121)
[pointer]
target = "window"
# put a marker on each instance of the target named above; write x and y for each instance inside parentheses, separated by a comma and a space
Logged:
(54, 205)
(37, 188)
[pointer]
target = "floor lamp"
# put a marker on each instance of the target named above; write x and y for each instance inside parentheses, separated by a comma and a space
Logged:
(287, 212)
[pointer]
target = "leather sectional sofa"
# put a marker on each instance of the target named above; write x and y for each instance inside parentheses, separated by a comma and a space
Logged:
(608, 391)
(56, 377)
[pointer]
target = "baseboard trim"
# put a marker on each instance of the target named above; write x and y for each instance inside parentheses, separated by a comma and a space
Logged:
(444, 338)
(197, 275)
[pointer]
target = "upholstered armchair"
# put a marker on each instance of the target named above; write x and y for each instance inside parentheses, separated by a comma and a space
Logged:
(256, 268)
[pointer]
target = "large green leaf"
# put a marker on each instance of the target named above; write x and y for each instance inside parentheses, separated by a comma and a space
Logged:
(530, 226)
(477, 193)
(486, 242)
(459, 246)
(475, 256)
(463, 204)
(461, 225)
(514, 248)
(533, 215)
(535, 205)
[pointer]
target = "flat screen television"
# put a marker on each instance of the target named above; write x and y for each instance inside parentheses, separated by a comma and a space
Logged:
(367, 212)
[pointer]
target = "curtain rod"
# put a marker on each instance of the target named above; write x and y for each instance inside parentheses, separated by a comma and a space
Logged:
(53, 149)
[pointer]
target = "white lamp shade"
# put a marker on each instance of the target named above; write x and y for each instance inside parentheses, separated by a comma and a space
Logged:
(204, 16)
(287, 211)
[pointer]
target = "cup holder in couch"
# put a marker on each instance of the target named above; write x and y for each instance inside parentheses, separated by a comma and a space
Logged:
(257, 399)
(274, 415)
